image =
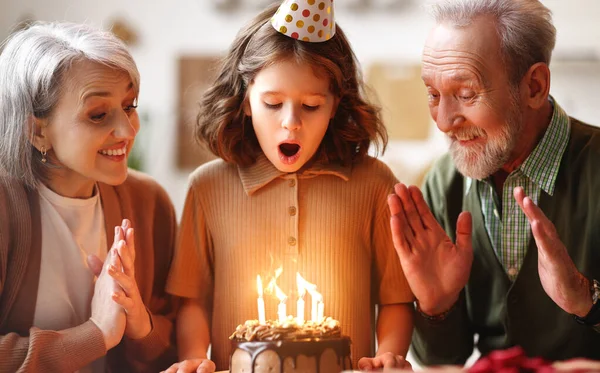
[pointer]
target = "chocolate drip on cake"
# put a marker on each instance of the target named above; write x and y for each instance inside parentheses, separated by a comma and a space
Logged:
(293, 349)
(289, 341)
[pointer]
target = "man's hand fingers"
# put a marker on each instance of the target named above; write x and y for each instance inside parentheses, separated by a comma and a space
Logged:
(395, 207)
(542, 229)
(422, 208)
(543, 242)
(531, 210)
(539, 215)
(519, 195)
(402, 234)
(410, 210)
(464, 231)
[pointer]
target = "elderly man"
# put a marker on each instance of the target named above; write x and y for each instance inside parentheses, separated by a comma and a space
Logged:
(526, 257)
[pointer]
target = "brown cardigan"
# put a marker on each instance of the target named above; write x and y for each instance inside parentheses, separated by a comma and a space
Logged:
(25, 348)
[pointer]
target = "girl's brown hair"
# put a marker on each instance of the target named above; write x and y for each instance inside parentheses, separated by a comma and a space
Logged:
(228, 132)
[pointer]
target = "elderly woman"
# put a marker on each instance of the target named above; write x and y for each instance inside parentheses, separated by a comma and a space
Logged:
(68, 120)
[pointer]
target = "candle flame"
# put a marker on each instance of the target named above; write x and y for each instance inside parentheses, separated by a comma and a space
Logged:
(301, 287)
(259, 286)
(280, 294)
(272, 286)
(307, 286)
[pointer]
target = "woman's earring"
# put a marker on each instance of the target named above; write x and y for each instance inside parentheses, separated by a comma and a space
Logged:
(44, 152)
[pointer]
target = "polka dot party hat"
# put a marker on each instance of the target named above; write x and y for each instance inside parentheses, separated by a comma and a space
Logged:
(307, 20)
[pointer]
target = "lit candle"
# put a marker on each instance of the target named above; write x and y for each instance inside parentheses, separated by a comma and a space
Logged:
(261, 301)
(321, 310)
(281, 309)
(282, 312)
(314, 296)
(300, 302)
(314, 312)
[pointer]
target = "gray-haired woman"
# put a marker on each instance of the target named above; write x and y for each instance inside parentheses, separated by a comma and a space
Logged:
(68, 120)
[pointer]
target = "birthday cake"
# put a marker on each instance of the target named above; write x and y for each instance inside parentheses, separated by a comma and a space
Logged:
(286, 347)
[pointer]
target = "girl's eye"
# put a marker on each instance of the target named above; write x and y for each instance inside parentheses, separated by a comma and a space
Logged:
(98, 117)
(272, 106)
(311, 108)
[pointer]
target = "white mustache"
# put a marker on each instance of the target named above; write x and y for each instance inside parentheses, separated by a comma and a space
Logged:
(466, 133)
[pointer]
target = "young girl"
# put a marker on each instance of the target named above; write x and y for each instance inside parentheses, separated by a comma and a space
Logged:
(296, 187)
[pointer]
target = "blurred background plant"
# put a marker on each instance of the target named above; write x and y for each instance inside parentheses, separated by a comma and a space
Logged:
(140, 146)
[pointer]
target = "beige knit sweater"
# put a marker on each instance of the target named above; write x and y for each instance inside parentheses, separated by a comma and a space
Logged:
(329, 223)
(25, 348)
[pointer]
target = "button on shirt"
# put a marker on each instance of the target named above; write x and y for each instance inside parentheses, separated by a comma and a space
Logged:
(506, 224)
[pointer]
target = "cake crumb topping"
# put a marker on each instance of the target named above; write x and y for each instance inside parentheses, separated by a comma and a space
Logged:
(288, 330)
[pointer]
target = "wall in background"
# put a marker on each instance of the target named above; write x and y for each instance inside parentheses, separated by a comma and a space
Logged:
(170, 29)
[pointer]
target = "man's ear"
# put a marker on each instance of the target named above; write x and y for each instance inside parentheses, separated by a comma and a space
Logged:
(39, 136)
(535, 85)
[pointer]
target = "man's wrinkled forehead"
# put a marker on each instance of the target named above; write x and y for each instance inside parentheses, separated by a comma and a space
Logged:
(479, 37)
(458, 67)
(465, 52)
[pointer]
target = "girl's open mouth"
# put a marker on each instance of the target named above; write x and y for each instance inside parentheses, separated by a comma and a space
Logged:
(289, 152)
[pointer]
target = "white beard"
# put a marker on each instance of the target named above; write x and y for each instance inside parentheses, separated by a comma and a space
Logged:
(481, 161)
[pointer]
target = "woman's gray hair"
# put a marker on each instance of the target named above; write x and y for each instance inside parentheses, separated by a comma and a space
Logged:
(33, 65)
(527, 35)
